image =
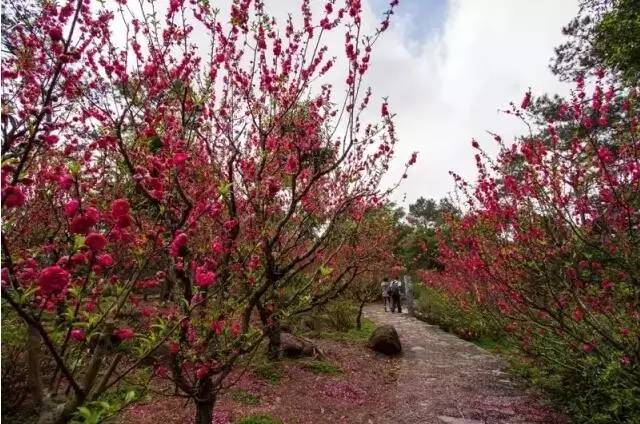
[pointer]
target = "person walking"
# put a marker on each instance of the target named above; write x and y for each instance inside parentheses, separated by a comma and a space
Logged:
(394, 291)
(385, 293)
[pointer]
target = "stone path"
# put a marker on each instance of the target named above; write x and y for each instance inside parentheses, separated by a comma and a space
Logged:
(443, 379)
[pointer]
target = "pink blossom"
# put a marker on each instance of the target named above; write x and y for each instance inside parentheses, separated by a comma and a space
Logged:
(119, 207)
(105, 260)
(205, 278)
(124, 333)
(78, 335)
(71, 207)
(12, 197)
(53, 280)
(95, 242)
(178, 245)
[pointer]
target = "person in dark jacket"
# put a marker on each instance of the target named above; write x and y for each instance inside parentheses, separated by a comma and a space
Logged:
(394, 291)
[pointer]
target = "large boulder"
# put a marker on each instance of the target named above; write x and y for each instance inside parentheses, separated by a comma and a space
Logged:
(384, 339)
(295, 347)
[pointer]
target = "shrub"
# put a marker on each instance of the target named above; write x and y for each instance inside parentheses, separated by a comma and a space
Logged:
(469, 322)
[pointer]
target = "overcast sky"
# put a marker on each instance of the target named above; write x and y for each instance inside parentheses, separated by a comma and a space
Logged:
(449, 65)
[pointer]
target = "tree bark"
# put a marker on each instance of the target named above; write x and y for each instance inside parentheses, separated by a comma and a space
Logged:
(275, 342)
(273, 330)
(205, 401)
(359, 317)
(204, 412)
(33, 361)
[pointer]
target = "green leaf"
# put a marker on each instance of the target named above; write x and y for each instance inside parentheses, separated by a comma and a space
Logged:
(85, 412)
(325, 270)
(78, 241)
(223, 189)
(130, 396)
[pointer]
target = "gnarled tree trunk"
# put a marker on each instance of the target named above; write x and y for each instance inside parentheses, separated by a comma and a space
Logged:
(205, 401)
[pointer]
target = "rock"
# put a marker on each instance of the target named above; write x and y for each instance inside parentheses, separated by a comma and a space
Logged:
(384, 339)
(295, 347)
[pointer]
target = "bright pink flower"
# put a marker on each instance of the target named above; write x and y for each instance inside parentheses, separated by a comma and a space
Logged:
(217, 247)
(174, 347)
(179, 160)
(124, 333)
(123, 221)
(50, 139)
(119, 207)
(78, 258)
(204, 278)
(202, 371)
(577, 315)
(53, 280)
(65, 181)
(587, 347)
(95, 242)
(83, 222)
(12, 197)
(230, 224)
(253, 262)
(235, 328)
(78, 335)
(5, 276)
(105, 260)
(55, 33)
(71, 207)
(217, 326)
(292, 165)
(178, 245)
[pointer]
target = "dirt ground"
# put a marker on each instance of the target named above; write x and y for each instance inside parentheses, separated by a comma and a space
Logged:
(438, 379)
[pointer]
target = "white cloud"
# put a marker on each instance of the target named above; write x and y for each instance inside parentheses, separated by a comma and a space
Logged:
(448, 90)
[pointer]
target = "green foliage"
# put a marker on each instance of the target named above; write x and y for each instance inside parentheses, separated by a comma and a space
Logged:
(322, 367)
(341, 314)
(15, 389)
(595, 389)
(470, 323)
(245, 397)
(351, 335)
(113, 401)
(617, 38)
(268, 371)
(259, 419)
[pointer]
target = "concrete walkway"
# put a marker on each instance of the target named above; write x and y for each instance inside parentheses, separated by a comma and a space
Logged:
(443, 379)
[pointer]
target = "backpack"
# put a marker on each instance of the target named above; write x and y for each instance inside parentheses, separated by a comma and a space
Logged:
(394, 290)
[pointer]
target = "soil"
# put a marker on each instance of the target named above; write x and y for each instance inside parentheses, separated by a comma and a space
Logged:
(439, 378)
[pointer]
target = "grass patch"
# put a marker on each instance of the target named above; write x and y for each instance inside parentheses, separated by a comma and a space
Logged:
(259, 419)
(351, 335)
(270, 372)
(322, 368)
(495, 345)
(245, 397)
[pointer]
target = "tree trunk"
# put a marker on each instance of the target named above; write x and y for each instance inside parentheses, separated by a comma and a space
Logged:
(33, 361)
(271, 326)
(274, 332)
(204, 412)
(205, 401)
(359, 317)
